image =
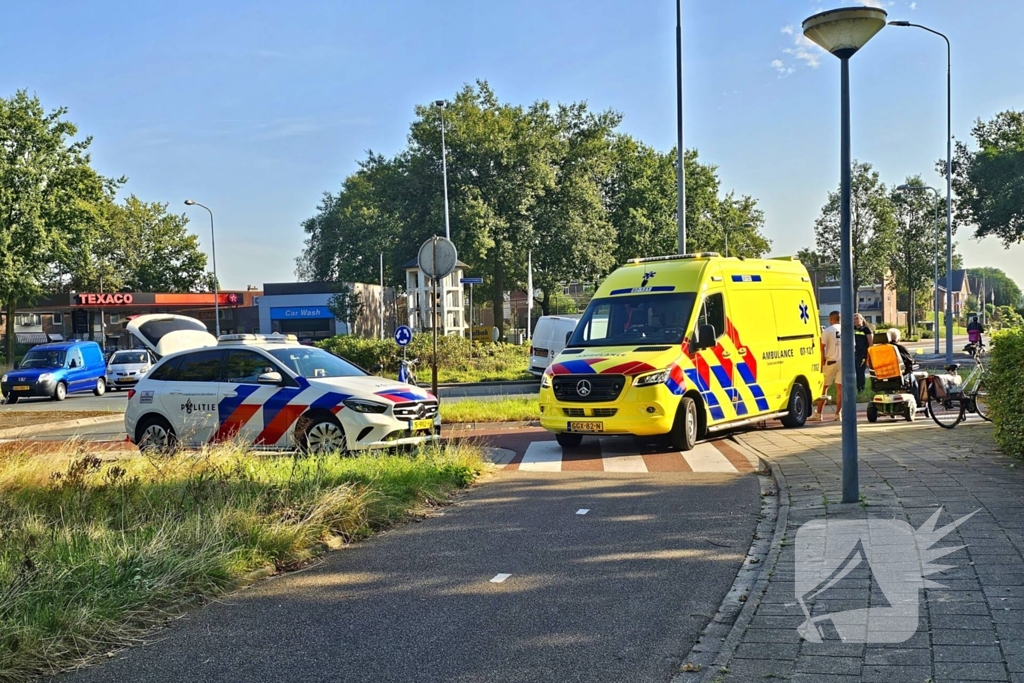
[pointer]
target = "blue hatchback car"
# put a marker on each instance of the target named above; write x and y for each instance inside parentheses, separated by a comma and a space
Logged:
(56, 370)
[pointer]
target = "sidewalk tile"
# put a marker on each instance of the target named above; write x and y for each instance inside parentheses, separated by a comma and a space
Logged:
(945, 671)
(829, 665)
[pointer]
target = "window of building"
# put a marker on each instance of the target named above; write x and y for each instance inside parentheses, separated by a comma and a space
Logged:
(27, 319)
(58, 318)
(115, 318)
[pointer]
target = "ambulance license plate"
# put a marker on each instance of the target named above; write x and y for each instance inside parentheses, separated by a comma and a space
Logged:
(417, 425)
(21, 387)
(586, 426)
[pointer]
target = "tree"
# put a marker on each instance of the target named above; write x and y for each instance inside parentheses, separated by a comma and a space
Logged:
(346, 305)
(872, 226)
(46, 186)
(987, 181)
(997, 283)
(912, 261)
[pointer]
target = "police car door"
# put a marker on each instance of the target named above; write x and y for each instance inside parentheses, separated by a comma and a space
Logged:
(715, 365)
(242, 396)
(190, 400)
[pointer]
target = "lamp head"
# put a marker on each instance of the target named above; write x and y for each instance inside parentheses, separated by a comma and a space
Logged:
(189, 202)
(903, 187)
(899, 23)
(747, 225)
(439, 103)
(844, 31)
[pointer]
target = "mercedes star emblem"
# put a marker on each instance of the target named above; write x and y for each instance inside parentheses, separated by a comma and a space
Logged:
(583, 388)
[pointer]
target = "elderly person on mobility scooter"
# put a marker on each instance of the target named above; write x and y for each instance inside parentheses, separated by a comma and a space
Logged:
(896, 384)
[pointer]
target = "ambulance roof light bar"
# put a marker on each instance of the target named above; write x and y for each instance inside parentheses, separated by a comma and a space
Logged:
(676, 257)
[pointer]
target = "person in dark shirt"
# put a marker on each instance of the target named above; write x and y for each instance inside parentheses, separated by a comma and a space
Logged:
(863, 338)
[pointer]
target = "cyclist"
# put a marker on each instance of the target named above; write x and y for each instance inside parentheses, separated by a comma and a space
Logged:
(974, 331)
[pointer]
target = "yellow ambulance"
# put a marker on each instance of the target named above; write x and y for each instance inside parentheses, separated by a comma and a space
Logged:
(686, 345)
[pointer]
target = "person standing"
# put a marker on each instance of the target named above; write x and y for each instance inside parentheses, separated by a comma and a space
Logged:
(830, 365)
(864, 337)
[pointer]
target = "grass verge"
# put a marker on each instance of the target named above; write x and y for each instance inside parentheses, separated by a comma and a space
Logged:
(502, 410)
(94, 553)
(11, 419)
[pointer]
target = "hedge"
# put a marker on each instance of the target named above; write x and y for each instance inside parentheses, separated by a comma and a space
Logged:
(1006, 391)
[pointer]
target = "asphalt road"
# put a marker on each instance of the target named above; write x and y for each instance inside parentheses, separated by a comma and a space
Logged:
(618, 594)
(114, 401)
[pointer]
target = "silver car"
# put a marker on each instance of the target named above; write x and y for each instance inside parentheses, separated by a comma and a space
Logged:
(126, 368)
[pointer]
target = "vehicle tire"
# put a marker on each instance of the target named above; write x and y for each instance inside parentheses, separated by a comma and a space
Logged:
(11, 400)
(908, 413)
(155, 435)
(323, 434)
(568, 440)
(798, 407)
(683, 436)
(946, 413)
(101, 387)
(872, 411)
(61, 392)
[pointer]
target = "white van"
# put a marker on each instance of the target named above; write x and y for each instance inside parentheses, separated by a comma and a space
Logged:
(549, 338)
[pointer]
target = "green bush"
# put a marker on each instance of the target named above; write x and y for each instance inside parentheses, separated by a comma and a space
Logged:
(458, 359)
(1006, 391)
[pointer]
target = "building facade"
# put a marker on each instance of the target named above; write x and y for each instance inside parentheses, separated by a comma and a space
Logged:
(877, 303)
(303, 309)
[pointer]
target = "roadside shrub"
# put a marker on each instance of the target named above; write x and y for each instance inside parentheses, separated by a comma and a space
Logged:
(1006, 391)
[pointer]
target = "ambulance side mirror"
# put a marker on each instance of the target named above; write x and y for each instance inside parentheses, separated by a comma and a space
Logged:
(705, 337)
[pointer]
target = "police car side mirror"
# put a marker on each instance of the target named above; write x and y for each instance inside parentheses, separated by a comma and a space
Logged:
(269, 378)
(705, 337)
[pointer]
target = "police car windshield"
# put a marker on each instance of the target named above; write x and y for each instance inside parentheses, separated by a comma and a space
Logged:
(42, 359)
(634, 320)
(314, 363)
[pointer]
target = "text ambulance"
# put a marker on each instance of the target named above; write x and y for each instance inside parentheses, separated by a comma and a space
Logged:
(686, 345)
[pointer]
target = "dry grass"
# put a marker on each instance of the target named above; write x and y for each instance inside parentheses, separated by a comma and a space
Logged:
(94, 552)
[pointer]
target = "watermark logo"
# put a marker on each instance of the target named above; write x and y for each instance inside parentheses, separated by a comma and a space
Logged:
(896, 555)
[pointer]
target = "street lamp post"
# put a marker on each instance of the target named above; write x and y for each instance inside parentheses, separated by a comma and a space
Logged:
(935, 285)
(842, 32)
(949, 189)
(728, 230)
(444, 171)
(216, 283)
(680, 174)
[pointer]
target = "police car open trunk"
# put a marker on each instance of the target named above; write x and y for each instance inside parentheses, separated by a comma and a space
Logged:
(165, 333)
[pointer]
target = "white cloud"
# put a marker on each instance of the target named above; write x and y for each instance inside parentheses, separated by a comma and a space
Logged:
(913, 5)
(874, 3)
(781, 67)
(788, 30)
(804, 49)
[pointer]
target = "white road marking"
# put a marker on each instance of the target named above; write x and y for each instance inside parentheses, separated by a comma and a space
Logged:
(582, 511)
(542, 456)
(706, 458)
(500, 578)
(619, 455)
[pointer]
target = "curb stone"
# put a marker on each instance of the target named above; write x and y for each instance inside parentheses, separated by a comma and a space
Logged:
(32, 430)
(721, 637)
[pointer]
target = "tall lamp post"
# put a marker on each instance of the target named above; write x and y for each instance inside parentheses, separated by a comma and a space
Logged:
(728, 230)
(444, 171)
(935, 317)
(213, 245)
(949, 189)
(842, 32)
(680, 174)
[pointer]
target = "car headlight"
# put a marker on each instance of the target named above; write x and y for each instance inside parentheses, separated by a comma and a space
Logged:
(545, 381)
(45, 377)
(651, 378)
(365, 406)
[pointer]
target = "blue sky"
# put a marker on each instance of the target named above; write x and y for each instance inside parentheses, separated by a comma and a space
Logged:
(256, 108)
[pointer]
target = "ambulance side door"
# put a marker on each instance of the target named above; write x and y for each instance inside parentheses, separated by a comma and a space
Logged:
(757, 368)
(796, 322)
(715, 365)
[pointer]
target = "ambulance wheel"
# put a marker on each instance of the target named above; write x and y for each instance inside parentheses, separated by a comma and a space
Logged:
(872, 413)
(798, 407)
(567, 440)
(683, 436)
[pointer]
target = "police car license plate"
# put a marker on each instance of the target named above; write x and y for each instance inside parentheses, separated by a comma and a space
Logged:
(21, 387)
(417, 425)
(586, 426)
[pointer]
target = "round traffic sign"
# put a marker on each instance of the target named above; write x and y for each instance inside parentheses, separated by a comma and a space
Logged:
(442, 251)
(403, 335)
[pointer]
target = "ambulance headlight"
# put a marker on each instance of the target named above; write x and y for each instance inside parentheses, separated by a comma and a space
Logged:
(545, 381)
(651, 378)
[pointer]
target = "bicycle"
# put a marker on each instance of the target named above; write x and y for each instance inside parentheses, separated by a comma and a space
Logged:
(950, 401)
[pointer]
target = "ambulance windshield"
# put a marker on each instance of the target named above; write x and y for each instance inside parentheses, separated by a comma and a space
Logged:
(634, 320)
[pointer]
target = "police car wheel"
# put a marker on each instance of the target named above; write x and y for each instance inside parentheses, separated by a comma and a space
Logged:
(683, 436)
(324, 435)
(798, 407)
(567, 440)
(155, 435)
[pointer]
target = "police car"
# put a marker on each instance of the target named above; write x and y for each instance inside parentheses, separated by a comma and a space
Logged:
(265, 391)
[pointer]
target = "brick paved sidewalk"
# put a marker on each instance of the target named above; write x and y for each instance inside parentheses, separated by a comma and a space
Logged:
(972, 630)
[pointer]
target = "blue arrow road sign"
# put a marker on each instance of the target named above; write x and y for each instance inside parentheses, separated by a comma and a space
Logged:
(472, 280)
(403, 335)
